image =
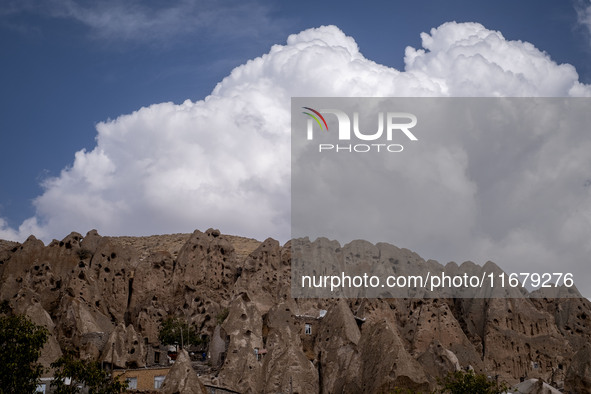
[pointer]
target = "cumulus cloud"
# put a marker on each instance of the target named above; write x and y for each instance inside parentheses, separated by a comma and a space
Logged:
(469, 60)
(224, 161)
(489, 179)
(28, 227)
(175, 167)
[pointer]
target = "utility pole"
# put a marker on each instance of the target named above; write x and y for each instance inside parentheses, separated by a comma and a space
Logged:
(182, 343)
(188, 333)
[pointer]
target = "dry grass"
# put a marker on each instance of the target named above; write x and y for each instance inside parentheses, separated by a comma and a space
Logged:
(172, 243)
(7, 245)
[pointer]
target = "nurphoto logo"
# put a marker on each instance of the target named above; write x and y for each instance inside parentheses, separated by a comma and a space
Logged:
(396, 122)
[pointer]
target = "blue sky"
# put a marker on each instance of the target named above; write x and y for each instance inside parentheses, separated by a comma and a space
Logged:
(69, 65)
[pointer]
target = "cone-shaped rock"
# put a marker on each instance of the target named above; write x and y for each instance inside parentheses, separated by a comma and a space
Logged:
(182, 379)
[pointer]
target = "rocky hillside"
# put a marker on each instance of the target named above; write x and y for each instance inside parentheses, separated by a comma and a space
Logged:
(105, 298)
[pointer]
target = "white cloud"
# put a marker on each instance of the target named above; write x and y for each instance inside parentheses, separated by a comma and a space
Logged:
(225, 161)
(584, 14)
(28, 227)
(469, 60)
(145, 22)
(8, 233)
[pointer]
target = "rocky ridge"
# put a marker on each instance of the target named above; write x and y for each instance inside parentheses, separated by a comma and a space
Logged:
(105, 298)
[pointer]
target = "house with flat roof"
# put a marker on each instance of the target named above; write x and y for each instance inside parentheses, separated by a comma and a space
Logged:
(142, 378)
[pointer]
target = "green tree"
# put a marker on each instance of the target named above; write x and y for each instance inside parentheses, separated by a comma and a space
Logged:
(221, 317)
(83, 373)
(461, 382)
(21, 342)
(174, 330)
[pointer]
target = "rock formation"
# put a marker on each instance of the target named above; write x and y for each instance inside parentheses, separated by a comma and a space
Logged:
(105, 298)
(182, 379)
(578, 376)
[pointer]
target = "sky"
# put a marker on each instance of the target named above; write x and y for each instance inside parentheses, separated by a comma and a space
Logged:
(150, 117)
